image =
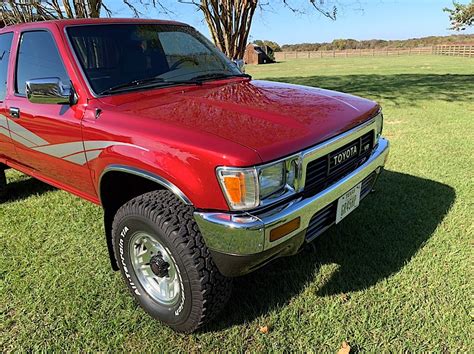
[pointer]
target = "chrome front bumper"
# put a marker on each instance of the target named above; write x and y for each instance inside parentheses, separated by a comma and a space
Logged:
(249, 233)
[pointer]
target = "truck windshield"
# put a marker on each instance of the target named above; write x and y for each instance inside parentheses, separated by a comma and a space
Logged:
(121, 57)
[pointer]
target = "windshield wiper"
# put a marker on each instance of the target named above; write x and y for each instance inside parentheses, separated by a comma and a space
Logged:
(219, 76)
(147, 82)
(152, 81)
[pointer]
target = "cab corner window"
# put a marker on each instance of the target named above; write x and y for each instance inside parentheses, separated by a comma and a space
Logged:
(38, 57)
(5, 45)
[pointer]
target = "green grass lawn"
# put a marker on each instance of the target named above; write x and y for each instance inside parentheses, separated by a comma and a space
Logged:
(396, 274)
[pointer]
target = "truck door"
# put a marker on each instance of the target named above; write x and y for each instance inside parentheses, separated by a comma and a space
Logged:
(48, 136)
(7, 149)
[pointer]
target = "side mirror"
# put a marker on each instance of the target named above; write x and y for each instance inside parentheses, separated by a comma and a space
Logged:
(240, 63)
(50, 90)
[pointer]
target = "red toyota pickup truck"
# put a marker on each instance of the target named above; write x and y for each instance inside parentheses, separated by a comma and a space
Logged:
(203, 173)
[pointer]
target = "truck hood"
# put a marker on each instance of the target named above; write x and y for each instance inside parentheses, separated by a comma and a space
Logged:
(274, 119)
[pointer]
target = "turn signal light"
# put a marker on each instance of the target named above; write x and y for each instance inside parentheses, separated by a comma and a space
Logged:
(285, 229)
(235, 186)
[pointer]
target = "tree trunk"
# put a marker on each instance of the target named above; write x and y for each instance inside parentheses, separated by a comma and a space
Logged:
(229, 22)
(94, 8)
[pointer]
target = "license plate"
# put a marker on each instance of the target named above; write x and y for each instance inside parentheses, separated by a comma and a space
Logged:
(348, 202)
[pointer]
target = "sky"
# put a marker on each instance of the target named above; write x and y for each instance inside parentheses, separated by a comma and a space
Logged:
(356, 19)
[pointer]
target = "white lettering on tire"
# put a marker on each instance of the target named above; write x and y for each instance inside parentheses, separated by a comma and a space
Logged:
(123, 233)
(183, 297)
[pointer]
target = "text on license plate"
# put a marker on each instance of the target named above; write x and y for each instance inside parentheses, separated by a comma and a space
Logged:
(348, 202)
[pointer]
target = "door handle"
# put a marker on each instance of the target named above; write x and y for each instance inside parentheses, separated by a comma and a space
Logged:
(15, 112)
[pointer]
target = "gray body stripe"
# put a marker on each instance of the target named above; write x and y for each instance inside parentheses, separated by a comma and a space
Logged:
(3, 121)
(79, 158)
(94, 144)
(61, 150)
(77, 152)
(21, 140)
(5, 132)
(66, 149)
(91, 155)
(25, 133)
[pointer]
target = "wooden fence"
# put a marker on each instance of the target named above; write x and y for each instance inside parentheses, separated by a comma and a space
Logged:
(454, 50)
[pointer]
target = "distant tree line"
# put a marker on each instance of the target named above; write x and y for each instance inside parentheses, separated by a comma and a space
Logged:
(341, 44)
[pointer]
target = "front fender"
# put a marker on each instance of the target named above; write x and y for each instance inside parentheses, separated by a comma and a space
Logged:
(190, 178)
(183, 157)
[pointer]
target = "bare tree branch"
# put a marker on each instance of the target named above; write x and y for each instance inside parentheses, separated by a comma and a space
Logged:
(229, 21)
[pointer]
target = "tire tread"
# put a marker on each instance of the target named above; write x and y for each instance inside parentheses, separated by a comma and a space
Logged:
(177, 222)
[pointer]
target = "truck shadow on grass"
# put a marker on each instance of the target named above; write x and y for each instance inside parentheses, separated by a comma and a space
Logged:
(396, 88)
(370, 245)
(24, 187)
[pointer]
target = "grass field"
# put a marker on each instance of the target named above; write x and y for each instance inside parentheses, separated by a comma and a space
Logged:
(396, 275)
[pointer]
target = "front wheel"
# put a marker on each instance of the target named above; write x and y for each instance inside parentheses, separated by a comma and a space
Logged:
(165, 263)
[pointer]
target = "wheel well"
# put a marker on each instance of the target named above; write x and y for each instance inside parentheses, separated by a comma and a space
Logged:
(117, 188)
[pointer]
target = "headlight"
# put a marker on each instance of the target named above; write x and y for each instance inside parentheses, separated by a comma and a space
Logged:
(272, 179)
(248, 188)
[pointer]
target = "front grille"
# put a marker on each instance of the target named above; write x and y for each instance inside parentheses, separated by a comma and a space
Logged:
(326, 217)
(324, 171)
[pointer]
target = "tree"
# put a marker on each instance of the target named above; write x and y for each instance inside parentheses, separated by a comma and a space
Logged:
(274, 45)
(461, 16)
(12, 12)
(229, 21)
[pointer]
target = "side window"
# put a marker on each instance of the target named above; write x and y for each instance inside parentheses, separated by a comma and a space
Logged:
(5, 45)
(38, 57)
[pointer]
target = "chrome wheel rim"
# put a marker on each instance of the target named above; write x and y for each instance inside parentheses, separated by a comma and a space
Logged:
(155, 268)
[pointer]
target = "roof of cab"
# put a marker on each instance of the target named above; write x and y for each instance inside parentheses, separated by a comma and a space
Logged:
(89, 21)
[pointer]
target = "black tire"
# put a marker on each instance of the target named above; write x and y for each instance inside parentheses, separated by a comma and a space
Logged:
(3, 184)
(204, 290)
